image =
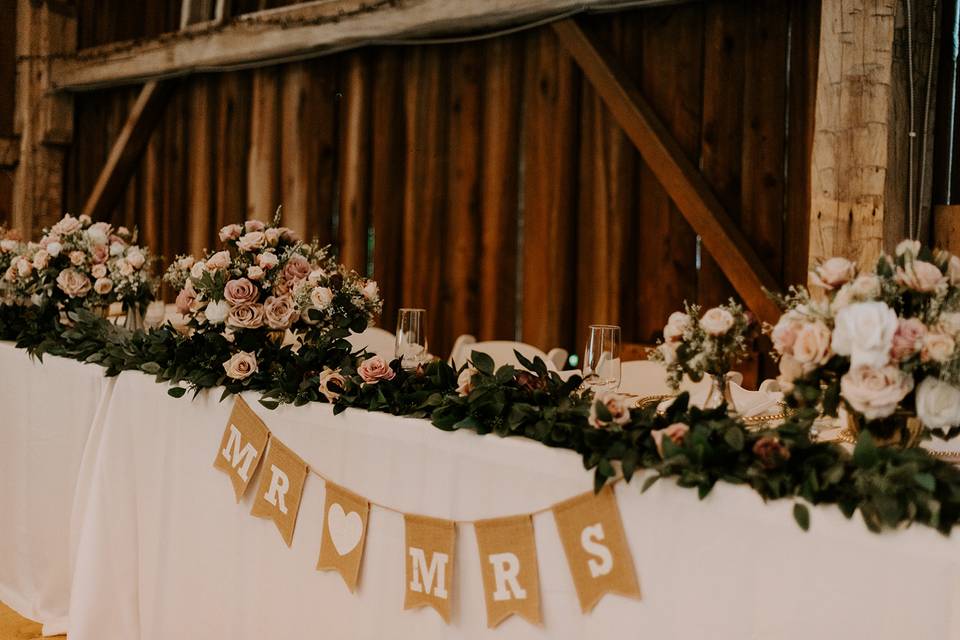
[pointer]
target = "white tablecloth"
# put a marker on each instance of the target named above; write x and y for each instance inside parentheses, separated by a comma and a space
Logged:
(165, 552)
(47, 412)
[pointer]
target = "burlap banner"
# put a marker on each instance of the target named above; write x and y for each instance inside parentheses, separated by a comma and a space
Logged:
(596, 547)
(508, 561)
(429, 560)
(242, 446)
(281, 488)
(344, 533)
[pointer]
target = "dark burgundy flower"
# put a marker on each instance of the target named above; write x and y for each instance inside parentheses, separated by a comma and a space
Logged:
(771, 452)
(529, 382)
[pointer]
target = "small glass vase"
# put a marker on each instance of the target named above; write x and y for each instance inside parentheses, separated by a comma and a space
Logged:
(901, 429)
(134, 318)
(719, 393)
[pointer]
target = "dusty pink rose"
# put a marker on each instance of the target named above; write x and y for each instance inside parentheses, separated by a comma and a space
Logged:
(833, 273)
(77, 258)
(375, 369)
(66, 226)
(230, 232)
(255, 273)
(100, 254)
(103, 286)
(253, 225)
(41, 259)
(297, 268)
(246, 316)
(73, 283)
(908, 338)
(242, 365)
(186, 298)
(677, 432)
(252, 241)
(717, 321)
(921, 276)
(279, 311)
(267, 261)
(240, 291)
(812, 344)
(937, 347)
(219, 260)
(875, 392)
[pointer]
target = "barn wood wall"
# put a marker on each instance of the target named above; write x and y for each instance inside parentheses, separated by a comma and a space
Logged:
(483, 181)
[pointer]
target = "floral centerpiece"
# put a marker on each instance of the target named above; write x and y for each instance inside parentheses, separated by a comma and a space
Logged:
(881, 343)
(711, 344)
(265, 287)
(10, 246)
(81, 264)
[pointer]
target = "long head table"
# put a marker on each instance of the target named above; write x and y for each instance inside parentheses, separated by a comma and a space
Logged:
(165, 551)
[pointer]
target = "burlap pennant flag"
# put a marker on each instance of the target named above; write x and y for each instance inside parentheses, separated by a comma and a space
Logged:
(344, 533)
(429, 560)
(281, 488)
(596, 547)
(242, 446)
(508, 562)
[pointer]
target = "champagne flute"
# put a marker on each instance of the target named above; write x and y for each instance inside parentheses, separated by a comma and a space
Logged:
(411, 338)
(601, 358)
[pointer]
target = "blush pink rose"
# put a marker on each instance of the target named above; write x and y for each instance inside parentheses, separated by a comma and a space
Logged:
(100, 254)
(66, 226)
(240, 291)
(252, 241)
(185, 299)
(253, 225)
(717, 321)
(245, 316)
(677, 432)
(297, 268)
(267, 261)
(219, 260)
(921, 276)
(373, 370)
(230, 232)
(812, 344)
(875, 392)
(937, 347)
(136, 259)
(833, 273)
(73, 283)
(255, 273)
(41, 259)
(279, 311)
(908, 338)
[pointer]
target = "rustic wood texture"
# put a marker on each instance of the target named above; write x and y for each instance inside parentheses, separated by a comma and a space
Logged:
(501, 193)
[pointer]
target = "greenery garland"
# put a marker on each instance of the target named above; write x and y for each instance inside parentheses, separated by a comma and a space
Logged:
(890, 487)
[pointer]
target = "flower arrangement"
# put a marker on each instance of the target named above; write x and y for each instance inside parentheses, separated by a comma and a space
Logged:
(81, 264)
(704, 345)
(882, 343)
(266, 285)
(10, 247)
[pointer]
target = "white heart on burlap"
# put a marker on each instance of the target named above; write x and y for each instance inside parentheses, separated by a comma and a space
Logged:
(346, 529)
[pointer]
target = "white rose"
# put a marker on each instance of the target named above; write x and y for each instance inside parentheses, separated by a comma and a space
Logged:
(8, 245)
(677, 324)
(316, 276)
(135, 258)
(321, 297)
(117, 249)
(875, 392)
(216, 312)
(668, 353)
(938, 404)
(833, 273)
(196, 271)
(937, 347)
(370, 290)
(812, 344)
(717, 321)
(96, 235)
(54, 249)
(864, 331)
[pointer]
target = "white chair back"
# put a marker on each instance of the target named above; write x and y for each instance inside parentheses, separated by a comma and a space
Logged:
(376, 340)
(644, 378)
(502, 352)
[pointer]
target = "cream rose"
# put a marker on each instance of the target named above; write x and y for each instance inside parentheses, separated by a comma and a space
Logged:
(98, 233)
(77, 258)
(197, 270)
(230, 232)
(677, 432)
(717, 321)
(126, 268)
(321, 297)
(864, 331)
(255, 273)
(908, 339)
(331, 384)
(373, 370)
(245, 316)
(185, 262)
(135, 258)
(875, 392)
(219, 260)
(833, 273)
(949, 323)
(253, 225)
(99, 271)
(240, 291)
(370, 290)
(273, 236)
(117, 248)
(8, 245)
(41, 259)
(24, 267)
(280, 311)
(812, 344)
(937, 347)
(67, 225)
(73, 283)
(615, 403)
(103, 286)
(465, 381)
(242, 365)
(216, 312)
(938, 404)
(54, 249)
(921, 276)
(267, 261)
(252, 241)
(677, 324)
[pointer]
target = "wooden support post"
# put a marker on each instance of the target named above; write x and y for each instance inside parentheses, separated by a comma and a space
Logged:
(127, 149)
(44, 121)
(679, 177)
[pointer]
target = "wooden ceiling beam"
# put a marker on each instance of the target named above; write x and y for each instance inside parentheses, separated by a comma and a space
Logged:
(685, 185)
(293, 32)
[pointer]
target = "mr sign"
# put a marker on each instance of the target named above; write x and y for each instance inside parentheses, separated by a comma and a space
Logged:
(242, 446)
(429, 562)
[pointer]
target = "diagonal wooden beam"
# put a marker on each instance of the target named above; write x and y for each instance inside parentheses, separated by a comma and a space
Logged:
(127, 148)
(685, 185)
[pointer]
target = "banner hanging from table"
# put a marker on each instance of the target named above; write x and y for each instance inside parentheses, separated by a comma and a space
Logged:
(590, 528)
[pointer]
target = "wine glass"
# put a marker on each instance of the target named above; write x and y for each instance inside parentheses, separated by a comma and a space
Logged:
(601, 358)
(411, 338)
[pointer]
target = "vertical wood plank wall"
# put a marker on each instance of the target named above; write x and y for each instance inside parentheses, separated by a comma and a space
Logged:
(484, 181)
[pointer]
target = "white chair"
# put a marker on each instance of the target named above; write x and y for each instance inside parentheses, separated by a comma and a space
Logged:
(376, 340)
(502, 352)
(649, 378)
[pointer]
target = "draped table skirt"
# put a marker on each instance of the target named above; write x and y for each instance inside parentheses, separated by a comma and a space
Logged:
(164, 551)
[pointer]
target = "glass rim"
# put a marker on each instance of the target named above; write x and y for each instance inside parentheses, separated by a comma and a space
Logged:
(604, 326)
(402, 309)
